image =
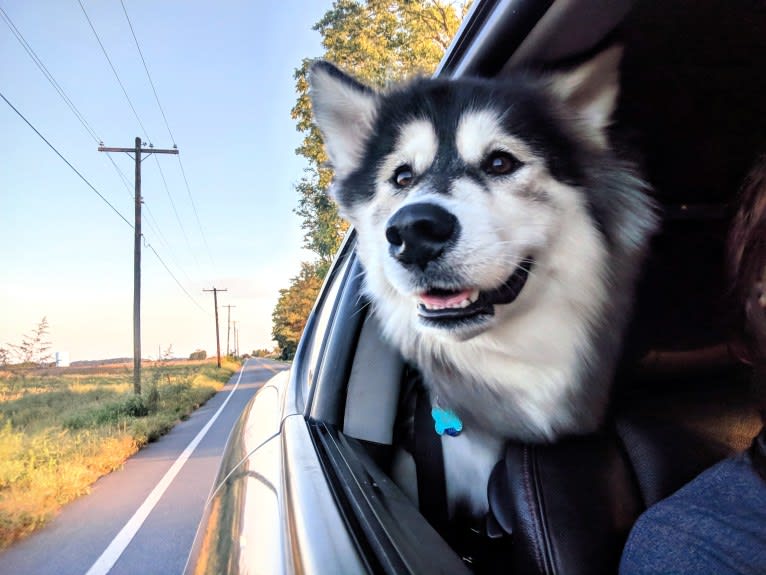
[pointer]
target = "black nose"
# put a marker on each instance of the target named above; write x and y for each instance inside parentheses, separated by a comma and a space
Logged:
(418, 233)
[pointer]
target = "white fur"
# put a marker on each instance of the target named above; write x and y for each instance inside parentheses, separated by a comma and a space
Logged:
(524, 364)
(533, 347)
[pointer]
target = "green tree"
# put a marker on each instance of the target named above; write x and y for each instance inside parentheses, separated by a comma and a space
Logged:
(379, 42)
(293, 308)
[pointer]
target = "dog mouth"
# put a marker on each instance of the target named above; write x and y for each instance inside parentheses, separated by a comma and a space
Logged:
(444, 306)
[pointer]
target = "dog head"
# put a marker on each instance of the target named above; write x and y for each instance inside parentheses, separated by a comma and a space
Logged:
(477, 200)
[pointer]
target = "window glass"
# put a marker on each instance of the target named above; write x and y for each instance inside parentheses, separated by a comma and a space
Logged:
(324, 314)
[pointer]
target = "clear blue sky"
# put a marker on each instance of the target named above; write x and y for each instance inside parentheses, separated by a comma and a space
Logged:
(224, 75)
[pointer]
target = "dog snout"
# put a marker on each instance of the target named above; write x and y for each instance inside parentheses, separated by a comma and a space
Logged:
(419, 233)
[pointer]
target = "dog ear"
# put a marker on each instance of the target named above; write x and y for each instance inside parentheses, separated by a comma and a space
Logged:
(344, 110)
(591, 90)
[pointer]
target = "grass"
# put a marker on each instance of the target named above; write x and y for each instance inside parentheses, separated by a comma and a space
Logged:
(63, 428)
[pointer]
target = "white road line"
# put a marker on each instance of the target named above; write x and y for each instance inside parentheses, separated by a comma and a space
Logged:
(112, 553)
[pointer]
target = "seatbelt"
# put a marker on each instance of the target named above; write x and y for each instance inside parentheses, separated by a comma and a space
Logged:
(429, 463)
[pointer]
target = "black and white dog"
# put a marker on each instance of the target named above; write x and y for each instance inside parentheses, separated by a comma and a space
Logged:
(500, 237)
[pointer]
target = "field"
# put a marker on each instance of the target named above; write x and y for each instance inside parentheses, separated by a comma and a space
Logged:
(63, 428)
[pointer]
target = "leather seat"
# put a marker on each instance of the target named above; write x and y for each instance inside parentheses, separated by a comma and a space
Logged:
(569, 506)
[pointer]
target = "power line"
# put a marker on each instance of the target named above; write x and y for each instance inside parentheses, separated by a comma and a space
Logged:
(196, 214)
(116, 75)
(170, 132)
(68, 101)
(157, 231)
(175, 211)
(56, 86)
(148, 75)
(92, 187)
(130, 103)
(43, 68)
(86, 125)
(148, 245)
(52, 147)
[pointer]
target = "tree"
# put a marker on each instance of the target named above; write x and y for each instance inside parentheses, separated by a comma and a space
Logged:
(379, 42)
(34, 347)
(293, 308)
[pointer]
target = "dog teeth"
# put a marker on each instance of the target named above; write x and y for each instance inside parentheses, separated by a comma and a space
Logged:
(458, 301)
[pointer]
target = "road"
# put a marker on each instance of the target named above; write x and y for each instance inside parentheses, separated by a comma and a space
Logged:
(127, 524)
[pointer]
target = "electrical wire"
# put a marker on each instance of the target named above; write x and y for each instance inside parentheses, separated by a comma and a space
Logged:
(196, 214)
(86, 125)
(175, 211)
(56, 86)
(43, 68)
(148, 75)
(146, 135)
(52, 147)
(174, 277)
(157, 232)
(170, 132)
(100, 195)
(116, 75)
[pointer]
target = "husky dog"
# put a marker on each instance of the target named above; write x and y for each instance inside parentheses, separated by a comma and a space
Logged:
(500, 238)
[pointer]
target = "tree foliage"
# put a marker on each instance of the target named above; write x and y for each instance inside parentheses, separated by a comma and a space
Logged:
(293, 308)
(379, 42)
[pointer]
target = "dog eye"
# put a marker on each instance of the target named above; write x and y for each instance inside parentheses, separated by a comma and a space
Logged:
(403, 176)
(500, 163)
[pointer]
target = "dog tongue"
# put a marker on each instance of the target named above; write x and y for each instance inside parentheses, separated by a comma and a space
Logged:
(450, 299)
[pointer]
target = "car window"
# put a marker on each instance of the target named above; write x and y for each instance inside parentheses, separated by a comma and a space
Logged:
(324, 314)
(308, 356)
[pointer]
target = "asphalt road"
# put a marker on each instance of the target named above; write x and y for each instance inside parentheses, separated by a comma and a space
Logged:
(128, 524)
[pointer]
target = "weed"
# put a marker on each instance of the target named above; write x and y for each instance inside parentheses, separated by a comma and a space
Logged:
(61, 431)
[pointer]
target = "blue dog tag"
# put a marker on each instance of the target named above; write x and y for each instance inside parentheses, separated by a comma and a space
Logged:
(446, 421)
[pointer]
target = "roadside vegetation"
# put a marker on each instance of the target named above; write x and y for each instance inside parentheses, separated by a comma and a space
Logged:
(63, 428)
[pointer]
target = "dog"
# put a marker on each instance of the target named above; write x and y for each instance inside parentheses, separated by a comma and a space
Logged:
(500, 237)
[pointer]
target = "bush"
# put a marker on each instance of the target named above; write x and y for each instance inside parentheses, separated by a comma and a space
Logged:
(199, 354)
(111, 413)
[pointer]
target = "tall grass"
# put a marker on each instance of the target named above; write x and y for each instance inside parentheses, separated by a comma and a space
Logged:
(60, 430)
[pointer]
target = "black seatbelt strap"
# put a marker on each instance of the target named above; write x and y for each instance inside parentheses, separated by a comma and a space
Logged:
(429, 464)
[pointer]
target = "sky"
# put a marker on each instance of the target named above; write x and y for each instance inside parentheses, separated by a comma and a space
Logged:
(223, 72)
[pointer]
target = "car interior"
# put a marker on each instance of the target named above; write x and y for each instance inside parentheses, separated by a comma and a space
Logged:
(691, 112)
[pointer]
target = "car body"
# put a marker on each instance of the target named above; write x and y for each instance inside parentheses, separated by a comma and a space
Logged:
(304, 486)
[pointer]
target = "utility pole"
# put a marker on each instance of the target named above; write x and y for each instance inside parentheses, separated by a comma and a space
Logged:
(217, 338)
(137, 151)
(236, 340)
(228, 325)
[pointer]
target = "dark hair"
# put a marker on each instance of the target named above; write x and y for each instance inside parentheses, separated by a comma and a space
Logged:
(747, 269)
